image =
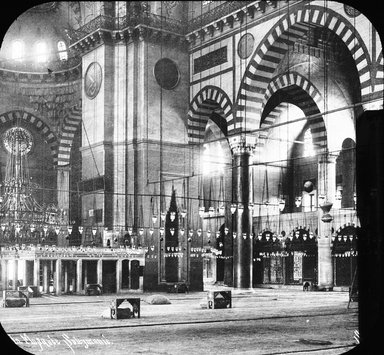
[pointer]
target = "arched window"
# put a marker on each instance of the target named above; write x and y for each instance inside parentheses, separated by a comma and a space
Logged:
(213, 161)
(63, 54)
(309, 150)
(41, 52)
(17, 50)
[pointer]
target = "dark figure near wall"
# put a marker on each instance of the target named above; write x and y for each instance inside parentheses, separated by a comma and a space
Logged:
(306, 286)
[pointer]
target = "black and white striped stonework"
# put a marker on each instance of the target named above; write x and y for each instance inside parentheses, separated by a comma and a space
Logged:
(38, 124)
(268, 55)
(209, 100)
(70, 126)
(379, 77)
(296, 89)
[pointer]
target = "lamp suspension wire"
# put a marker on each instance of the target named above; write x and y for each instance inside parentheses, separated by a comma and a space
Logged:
(162, 206)
(116, 122)
(325, 73)
(201, 146)
(127, 199)
(145, 41)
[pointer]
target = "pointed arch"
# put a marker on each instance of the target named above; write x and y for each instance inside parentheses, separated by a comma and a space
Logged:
(296, 89)
(208, 100)
(276, 44)
(289, 79)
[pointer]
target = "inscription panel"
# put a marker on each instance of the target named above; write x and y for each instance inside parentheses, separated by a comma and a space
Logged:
(210, 60)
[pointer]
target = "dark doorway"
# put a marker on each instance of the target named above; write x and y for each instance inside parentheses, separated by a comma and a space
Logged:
(288, 269)
(257, 271)
(29, 272)
(89, 272)
(135, 275)
(310, 268)
(125, 274)
(344, 270)
(109, 276)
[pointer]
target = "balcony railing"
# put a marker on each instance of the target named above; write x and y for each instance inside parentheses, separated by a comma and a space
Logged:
(109, 23)
(146, 18)
(215, 14)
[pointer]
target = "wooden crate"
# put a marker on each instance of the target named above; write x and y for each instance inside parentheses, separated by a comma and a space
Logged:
(219, 299)
(15, 298)
(125, 308)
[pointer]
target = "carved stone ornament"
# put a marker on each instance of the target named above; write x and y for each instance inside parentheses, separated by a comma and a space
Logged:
(351, 11)
(242, 144)
(169, 6)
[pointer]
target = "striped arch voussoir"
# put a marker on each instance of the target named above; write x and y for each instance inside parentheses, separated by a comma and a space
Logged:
(274, 47)
(310, 102)
(37, 123)
(286, 80)
(70, 126)
(208, 100)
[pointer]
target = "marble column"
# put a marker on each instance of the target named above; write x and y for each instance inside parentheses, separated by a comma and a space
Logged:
(118, 275)
(72, 274)
(51, 276)
(45, 277)
(58, 277)
(4, 274)
(66, 277)
(242, 247)
(100, 271)
(36, 273)
(15, 273)
(141, 278)
(85, 266)
(25, 276)
(327, 188)
(79, 278)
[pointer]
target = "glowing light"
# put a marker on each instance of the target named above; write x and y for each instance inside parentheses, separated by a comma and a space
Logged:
(309, 151)
(17, 50)
(11, 268)
(63, 54)
(41, 52)
(213, 160)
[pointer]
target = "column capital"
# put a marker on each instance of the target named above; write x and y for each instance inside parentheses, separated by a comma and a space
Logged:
(63, 168)
(242, 144)
(328, 158)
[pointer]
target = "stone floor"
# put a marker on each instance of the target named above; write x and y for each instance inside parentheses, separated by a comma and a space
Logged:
(261, 321)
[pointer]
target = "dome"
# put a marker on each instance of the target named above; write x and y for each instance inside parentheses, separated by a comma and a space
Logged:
(37, 40)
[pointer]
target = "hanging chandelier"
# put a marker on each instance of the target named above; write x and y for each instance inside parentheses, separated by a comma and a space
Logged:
(19, 210)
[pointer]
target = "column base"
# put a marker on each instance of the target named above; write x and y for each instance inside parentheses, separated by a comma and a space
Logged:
(244, 289)
(325, 288)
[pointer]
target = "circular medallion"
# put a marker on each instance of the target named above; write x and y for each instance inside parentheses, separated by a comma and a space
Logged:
(351, 11)
(92, 80)
(166, 73)
(18, 140)
(245, 46)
